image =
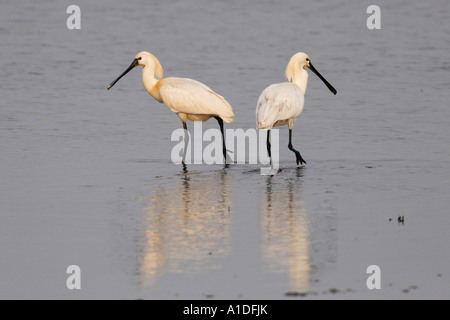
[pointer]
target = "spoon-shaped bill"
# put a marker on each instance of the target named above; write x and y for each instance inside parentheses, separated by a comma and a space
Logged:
(132, 65)
(332, 89)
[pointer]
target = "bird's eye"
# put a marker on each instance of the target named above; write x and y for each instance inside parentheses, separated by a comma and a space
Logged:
(307, 59)
(140, 58)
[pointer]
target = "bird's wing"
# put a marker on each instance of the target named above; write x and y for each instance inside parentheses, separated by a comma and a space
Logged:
(193, 97)
(281, 101)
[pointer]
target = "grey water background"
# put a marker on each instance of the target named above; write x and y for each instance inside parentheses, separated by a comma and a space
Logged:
(86, 176)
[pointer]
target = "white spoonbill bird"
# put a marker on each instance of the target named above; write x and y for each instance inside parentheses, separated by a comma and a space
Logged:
(189, 99)
(281, 103)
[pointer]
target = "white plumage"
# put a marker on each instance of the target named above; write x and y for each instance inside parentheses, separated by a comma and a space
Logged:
(189, 99)
(280, 104)
(193, 98)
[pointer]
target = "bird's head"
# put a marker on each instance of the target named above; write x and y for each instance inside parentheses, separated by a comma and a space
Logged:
(144, 59)
(297, 62)
(301, 60)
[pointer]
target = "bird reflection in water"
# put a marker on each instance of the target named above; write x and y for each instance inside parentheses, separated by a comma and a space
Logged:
(284, 229)
(186, 225)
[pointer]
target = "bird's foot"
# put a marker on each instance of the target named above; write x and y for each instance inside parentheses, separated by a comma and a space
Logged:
(300, 160)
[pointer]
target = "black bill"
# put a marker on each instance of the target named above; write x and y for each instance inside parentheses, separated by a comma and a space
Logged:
(132, 65)
(332, 89)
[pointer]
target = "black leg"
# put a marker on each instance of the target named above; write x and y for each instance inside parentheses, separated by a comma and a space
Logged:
(269, 152)
(297, 154)
(186, 142)
(224, 150)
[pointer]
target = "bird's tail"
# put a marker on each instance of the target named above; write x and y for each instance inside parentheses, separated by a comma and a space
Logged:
(228, 120)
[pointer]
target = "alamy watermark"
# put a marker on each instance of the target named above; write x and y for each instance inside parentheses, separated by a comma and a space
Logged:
(206, 147)
(374, 20)
(74, 280)
(74, 20)
(374, 280)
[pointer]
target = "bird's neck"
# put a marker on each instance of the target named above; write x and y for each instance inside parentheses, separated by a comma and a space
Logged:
(300, 79)
(151, 83)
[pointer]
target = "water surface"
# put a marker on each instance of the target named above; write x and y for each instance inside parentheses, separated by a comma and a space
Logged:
(86, 176)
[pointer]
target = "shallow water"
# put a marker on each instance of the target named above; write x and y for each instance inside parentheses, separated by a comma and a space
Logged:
(87, 177)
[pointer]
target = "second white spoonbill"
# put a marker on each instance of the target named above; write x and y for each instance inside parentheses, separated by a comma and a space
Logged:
(280, 104)
(189, 99)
